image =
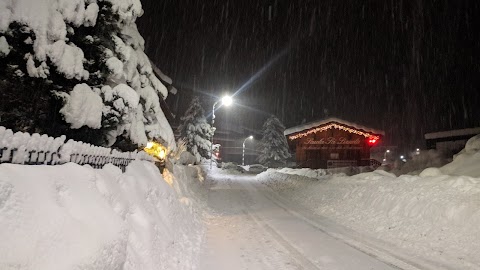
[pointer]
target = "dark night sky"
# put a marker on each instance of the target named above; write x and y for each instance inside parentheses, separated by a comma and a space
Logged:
(407, 67)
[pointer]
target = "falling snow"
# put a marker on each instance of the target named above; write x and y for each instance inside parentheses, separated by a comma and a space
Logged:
(406, 67)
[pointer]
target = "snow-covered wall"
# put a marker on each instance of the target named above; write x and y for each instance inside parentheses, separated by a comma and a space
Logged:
(73, 217)
(35, 149)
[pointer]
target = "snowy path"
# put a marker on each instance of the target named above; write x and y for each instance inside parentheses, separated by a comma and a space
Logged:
(250, 229)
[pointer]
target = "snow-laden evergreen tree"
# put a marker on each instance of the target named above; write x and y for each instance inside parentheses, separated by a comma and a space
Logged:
(79, 68)
(274, 146)
(196, 131)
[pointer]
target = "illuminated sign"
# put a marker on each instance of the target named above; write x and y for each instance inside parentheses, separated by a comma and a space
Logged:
(333, 140)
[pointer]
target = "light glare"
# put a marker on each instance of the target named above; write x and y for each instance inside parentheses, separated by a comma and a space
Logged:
(227, 100)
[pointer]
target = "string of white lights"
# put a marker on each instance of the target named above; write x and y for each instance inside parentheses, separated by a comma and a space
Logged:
(336, 126)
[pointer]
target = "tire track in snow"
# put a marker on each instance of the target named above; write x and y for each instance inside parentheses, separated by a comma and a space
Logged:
(374, 251)
(294, 252)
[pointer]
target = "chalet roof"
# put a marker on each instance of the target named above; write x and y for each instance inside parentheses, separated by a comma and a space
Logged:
(453, 133)
(314, 124)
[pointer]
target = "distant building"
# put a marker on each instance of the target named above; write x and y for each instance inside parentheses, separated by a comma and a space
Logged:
(332, 143)
(451, 141)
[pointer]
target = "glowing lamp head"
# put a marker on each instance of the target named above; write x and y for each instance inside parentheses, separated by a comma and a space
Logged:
(227, 101)
(162, 154)
(250, 137)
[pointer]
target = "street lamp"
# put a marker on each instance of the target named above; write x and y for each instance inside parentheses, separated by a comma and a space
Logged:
(226, 101)
(243, 149)
(385, 156)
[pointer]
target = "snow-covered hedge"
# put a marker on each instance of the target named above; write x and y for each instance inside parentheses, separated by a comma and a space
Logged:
(36, 149)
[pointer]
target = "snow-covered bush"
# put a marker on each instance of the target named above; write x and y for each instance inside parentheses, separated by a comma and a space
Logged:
(196, 131)
(274, 146)
(91, 55)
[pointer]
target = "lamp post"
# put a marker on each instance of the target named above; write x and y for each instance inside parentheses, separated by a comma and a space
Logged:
(243, 149)
(385, 156)
(227, 101)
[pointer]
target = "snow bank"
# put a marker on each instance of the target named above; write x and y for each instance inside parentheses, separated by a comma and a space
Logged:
(304, 172)
(232, 167)
(434, 215)
(467, 162)
(74, 217)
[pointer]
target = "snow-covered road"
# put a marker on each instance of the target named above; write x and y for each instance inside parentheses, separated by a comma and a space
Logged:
(249, 228)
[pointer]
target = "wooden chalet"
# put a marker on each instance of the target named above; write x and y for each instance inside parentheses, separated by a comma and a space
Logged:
(332, 143)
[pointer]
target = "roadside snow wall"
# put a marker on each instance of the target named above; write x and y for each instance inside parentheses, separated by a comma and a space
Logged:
(467, 162)
(435, 215)
(74, 217)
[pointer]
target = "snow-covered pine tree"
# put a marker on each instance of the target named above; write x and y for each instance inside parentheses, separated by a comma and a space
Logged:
(196, 130)
(79, 70)
(274, 146)
(25, 100)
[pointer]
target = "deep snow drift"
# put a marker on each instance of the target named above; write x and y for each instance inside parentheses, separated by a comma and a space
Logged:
(434, 215)
(74, 217)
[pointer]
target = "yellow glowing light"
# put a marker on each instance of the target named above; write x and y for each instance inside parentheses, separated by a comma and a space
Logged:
(336, 126)
(162, 153)
(156, 149)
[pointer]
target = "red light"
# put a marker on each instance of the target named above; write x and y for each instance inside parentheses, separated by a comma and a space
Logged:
(372, 141)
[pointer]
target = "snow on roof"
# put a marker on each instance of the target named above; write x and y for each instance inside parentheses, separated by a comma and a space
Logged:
(313, 124)
(453, 133)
